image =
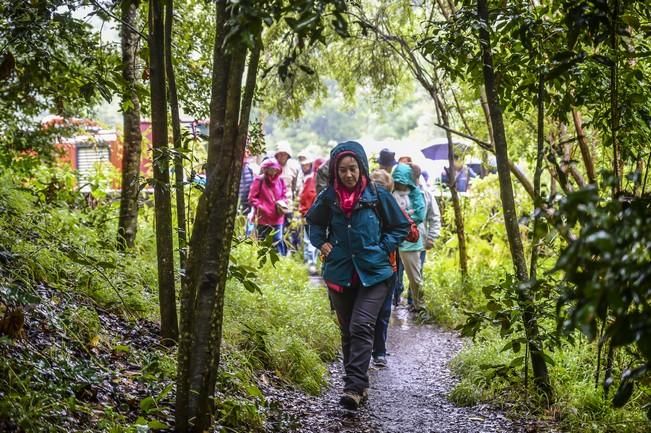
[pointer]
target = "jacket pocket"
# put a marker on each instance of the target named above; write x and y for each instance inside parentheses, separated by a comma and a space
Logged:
(373, 259)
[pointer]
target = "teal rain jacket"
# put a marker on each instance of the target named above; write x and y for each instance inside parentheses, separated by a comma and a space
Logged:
(403, 174)
(362, 242)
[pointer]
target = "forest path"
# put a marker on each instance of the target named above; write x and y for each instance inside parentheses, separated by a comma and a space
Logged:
(410, 395)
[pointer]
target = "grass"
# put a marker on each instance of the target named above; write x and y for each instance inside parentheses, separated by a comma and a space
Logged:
(484, 367)
(287, 328)
(56, 241)
(578, 406)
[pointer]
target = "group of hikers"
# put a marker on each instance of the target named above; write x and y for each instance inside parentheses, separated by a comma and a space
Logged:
(369, 228)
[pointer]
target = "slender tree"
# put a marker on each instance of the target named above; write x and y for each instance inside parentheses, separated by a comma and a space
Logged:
(452, 183)
(128, 221)
(181, 222)
(540, 149)
(162, 197)
(426, 75)
(584, 146)
(204, 282)
(236, 55)
(539, 365)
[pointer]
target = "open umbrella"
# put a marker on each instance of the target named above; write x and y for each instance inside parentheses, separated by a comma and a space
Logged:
(436, 151)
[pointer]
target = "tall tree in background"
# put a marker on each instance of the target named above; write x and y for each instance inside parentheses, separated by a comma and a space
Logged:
(377, 20)
(539, 365)
(128, 221)
(162, 196)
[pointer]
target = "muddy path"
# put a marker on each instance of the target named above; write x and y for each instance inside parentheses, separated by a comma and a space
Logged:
(410, 395)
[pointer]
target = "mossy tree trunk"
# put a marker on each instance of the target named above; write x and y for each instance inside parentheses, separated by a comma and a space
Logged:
(128, 220)
(539, 365)
(181, 221)
(204, 283)
(162, 196)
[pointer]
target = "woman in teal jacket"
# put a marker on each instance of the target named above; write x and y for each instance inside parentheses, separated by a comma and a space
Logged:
(355, 224)
(412, 201)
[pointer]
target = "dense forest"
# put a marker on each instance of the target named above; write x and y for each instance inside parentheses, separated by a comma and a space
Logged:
(131, 297)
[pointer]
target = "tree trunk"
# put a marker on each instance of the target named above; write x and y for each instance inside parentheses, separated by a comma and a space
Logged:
(536, 177)
(205, 279)
(584, 147)
(162, 199)
(539, 366)
(614, 103)
(181, 223)
(128, 221)
(452, 184)
(487, 113)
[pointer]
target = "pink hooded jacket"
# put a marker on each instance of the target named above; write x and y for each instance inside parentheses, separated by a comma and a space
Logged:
(265, 192)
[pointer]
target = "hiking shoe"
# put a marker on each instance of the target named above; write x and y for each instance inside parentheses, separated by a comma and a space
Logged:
(351, 400)
(380, 361)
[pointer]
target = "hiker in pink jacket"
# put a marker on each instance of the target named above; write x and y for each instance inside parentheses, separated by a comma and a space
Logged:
(267, 197)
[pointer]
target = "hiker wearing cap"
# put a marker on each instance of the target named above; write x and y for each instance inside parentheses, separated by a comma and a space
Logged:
(356, 225)
(292, 173)
(306, 160)
(386, 160)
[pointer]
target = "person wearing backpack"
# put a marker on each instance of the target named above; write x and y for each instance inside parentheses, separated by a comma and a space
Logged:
(356, 225)
(379, 353)
(267, 198)
(412, 201)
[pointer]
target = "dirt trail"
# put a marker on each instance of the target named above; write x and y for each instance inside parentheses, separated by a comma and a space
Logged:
(410, 395)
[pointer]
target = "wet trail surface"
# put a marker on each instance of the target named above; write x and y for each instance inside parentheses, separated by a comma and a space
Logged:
(410, 395)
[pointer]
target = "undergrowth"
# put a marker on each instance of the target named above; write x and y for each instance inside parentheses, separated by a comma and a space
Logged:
(488, 368)
(89, 357)
(487, 375)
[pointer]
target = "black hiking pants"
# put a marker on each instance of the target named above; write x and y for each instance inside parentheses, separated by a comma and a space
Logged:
(357, 310)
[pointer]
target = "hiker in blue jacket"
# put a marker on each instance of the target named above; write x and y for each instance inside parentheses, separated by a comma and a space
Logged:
(355, 224)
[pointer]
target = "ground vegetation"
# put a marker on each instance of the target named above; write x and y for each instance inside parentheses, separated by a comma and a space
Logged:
(554, 281)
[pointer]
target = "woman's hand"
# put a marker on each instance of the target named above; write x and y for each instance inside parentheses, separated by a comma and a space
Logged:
(325, 249)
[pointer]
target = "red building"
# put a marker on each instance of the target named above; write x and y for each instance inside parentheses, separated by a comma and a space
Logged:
(96, 145)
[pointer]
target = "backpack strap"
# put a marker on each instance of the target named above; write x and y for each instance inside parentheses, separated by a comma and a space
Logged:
(376, 208)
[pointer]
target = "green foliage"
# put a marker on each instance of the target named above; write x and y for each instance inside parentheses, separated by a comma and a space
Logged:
(83, 323)
(448, 298)
(54, 243)
(607, 276)
(488, 374)
(51, 60)
(297, 362)
(491, 369)
(240, 413)
(287, 327)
